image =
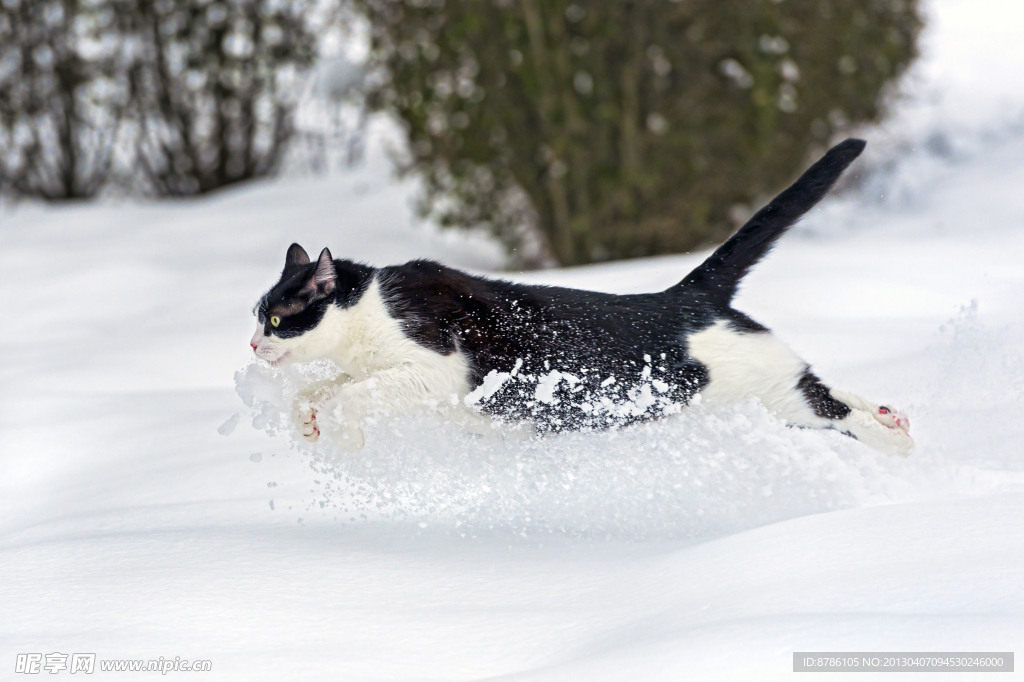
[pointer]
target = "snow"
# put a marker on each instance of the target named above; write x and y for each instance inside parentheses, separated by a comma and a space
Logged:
(491, 384)
(153, 502)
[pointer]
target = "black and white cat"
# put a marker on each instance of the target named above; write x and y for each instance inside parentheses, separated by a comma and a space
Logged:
(554, 357)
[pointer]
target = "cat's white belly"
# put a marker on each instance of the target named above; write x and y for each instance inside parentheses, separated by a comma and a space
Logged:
(744, 364)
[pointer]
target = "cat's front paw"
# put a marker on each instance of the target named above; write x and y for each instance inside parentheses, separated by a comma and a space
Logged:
(341, 419)
(309, 402)
(304, 419)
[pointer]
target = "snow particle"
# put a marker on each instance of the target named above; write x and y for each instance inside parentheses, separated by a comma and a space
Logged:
(227, 427)
(491, 385)
(545, 392)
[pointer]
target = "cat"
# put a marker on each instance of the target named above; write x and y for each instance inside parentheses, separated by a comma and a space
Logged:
(556, 358)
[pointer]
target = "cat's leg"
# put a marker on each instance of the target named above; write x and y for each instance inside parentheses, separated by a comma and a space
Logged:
(386, 391)
(742, 364)
(879, 426)
(310, 401)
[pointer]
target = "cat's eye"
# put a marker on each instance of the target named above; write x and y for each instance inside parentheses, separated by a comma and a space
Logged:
(274, 320)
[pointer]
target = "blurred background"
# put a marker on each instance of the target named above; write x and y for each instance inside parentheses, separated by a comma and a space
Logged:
(571, 131)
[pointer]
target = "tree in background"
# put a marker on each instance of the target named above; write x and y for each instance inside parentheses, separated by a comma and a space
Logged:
(215, 88)
(62, 95)
(206, 89)
(627, 127)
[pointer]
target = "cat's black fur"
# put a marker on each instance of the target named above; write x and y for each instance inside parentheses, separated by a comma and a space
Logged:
(590, 335)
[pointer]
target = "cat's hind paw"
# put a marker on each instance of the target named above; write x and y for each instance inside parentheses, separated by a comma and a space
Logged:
(885, 431)
(879, 426)
(892, 418)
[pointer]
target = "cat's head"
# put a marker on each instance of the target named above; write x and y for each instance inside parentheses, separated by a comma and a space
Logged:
(289, 316)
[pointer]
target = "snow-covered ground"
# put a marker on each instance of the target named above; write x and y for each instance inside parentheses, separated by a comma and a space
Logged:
(146, 510)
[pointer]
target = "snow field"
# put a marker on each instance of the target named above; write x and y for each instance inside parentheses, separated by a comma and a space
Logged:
(147, 510)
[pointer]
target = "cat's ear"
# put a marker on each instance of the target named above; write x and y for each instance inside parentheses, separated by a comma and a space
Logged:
(325, 278)
(325, 274)
(296, 256)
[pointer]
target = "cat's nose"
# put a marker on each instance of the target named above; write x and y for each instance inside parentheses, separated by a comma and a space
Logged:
(254, 346)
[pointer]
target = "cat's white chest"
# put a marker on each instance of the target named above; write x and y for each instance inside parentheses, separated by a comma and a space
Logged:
(364, 340)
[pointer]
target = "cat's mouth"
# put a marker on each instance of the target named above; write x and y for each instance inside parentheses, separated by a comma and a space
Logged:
(264, 353)
(276, 362)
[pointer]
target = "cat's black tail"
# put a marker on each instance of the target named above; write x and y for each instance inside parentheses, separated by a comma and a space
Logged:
(719, 276)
